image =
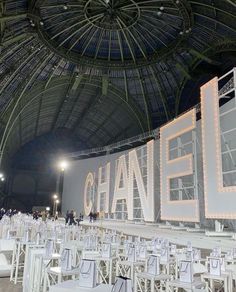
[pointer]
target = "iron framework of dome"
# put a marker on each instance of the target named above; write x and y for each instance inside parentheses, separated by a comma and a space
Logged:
(64, 68)
(112, 33)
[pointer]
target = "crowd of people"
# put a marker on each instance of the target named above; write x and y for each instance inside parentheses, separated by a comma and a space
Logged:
(35, 214)
(43, 214)
(70, 218)
(8, 212)
(93, 217)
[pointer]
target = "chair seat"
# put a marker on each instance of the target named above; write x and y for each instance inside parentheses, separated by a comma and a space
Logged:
(3, 260)
(58, 271)
(91, 254)
(54, 256)
(171, 260)
(7, 245)
(195, 284)
(71, 286)
(199, 268)
(5, 270)
(231, 268)
(99, 258)
(222, 277)
(127, 263)
(153, 277)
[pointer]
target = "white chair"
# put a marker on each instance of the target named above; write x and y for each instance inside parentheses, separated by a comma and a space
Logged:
(55, 274)
(196, 285)
(217, 274)
(33, 268)
(186, 279)
(128, 269)
(5, 266)
(17, 261)
(151, 279)
(6, 253)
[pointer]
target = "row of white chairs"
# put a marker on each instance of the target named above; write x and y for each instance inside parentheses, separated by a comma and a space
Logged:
(47, 255)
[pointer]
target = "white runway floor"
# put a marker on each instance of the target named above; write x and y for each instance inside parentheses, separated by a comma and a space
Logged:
(198, 239)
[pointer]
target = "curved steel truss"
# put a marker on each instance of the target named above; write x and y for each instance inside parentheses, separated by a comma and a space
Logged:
(112, 33)
(134, 60)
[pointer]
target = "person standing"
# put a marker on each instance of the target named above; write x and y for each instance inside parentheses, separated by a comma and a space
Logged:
(67, 216)
(44, 217)
(71, 220)
(91, 217)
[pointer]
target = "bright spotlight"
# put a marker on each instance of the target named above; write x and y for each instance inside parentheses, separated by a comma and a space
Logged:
(63, 165)
(57, 201)
(2, 179)
(1, 175)
(47, 208)
(55, 196)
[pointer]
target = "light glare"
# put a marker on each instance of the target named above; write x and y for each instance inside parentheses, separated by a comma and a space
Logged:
(63, 165)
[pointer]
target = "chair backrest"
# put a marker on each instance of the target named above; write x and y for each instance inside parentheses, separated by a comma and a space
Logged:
(3, 260)
(7, 245)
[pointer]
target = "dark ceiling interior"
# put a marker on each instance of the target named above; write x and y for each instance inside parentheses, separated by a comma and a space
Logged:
(78, 74)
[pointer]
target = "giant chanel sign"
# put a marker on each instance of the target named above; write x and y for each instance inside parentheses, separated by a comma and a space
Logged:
(173, 163)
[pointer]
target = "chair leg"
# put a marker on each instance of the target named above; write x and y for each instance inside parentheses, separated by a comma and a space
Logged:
(152, 285)
(135, 285)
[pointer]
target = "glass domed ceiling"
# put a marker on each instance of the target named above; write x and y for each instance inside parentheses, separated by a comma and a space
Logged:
(112, 33)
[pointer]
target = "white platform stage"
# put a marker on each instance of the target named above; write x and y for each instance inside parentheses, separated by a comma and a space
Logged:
(179, 237)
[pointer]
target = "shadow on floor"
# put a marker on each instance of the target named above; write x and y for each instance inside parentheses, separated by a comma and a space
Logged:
(7, 286)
